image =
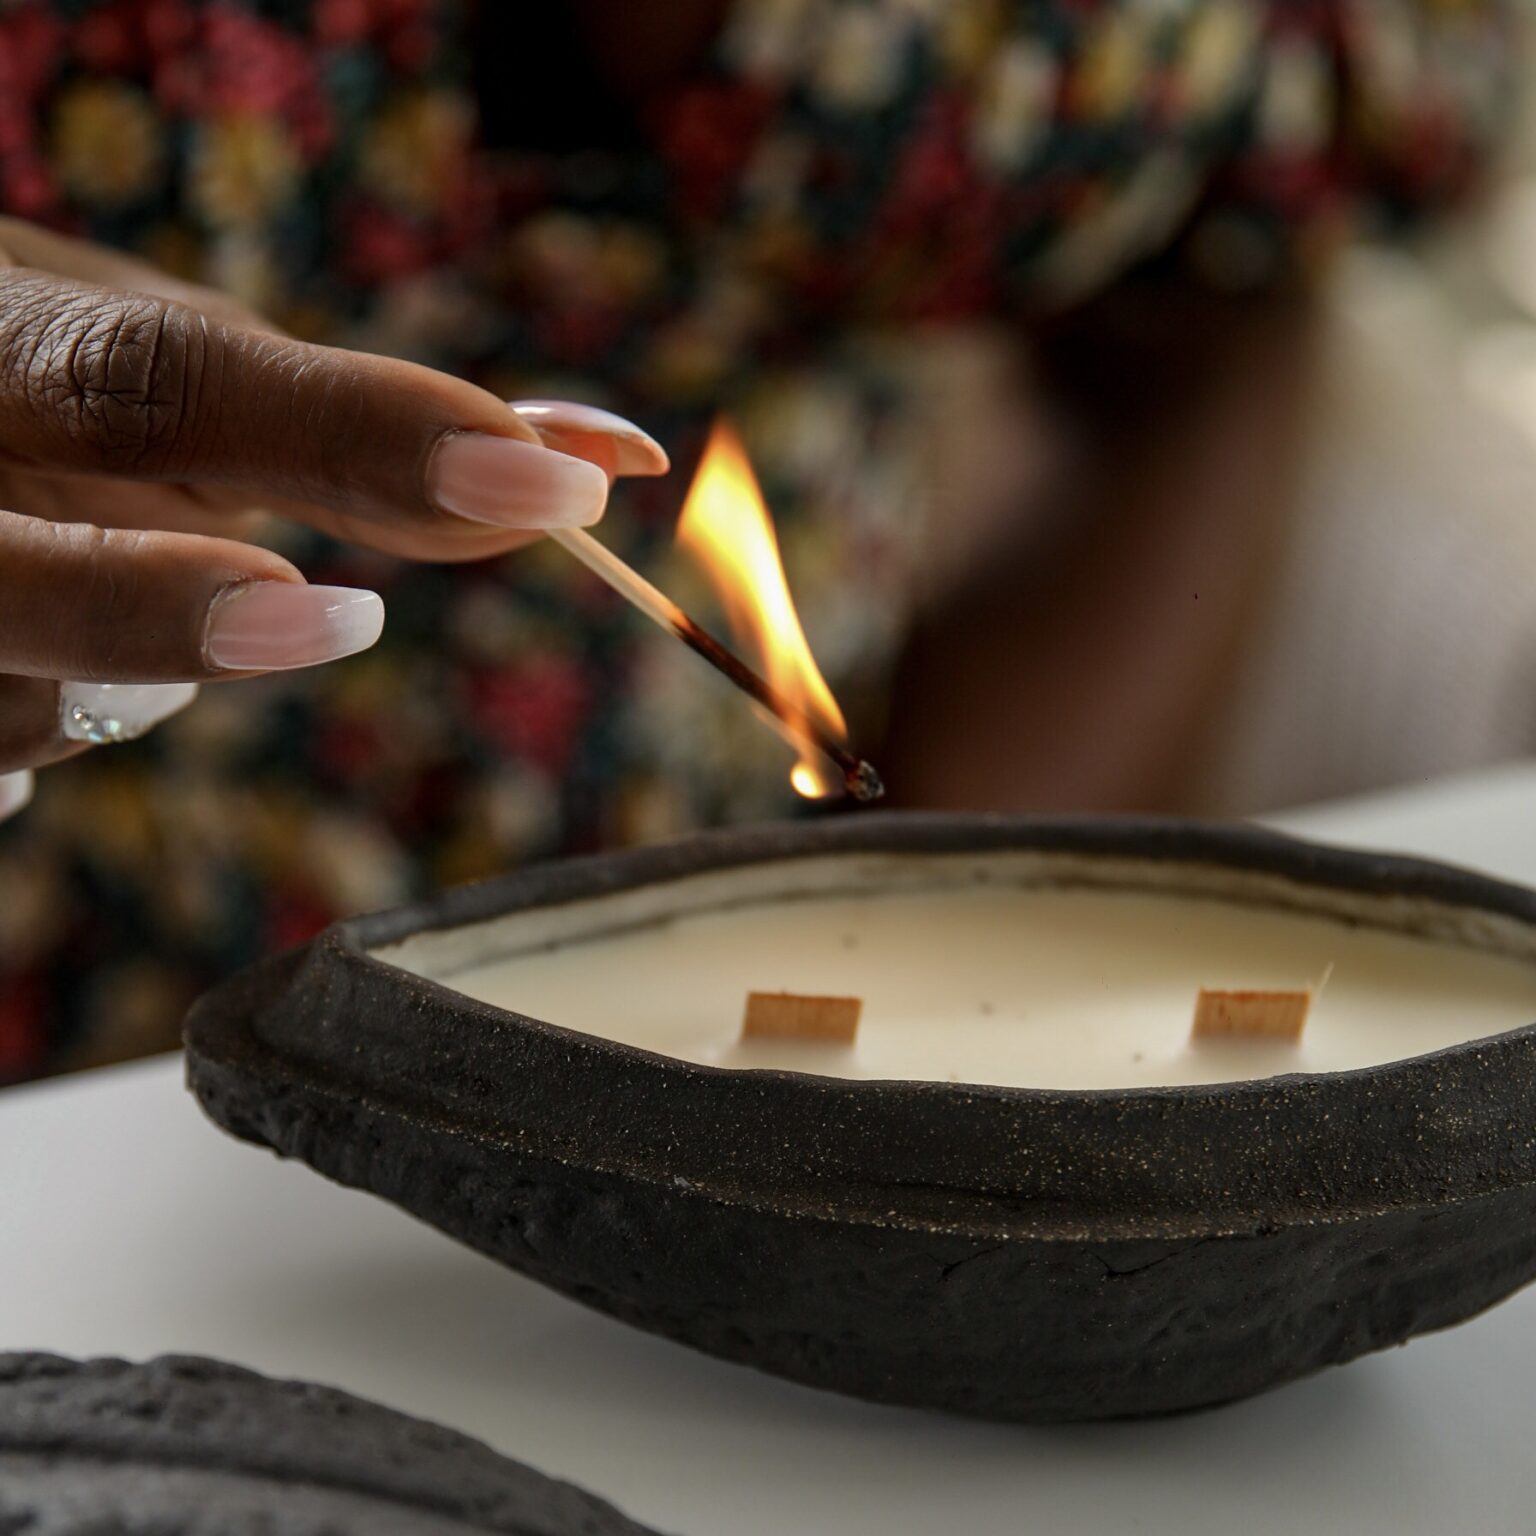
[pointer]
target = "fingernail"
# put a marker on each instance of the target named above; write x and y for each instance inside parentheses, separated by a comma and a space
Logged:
(15, 791)
(514, 484)
(566, 425)
(111, 712)
(270, 626)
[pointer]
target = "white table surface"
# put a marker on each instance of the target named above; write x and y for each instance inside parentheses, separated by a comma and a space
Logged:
(129, 1226)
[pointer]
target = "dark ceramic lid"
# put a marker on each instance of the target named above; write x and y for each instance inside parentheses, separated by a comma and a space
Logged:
(189, 1447)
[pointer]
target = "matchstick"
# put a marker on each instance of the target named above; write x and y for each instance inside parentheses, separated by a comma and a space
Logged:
(859, 777)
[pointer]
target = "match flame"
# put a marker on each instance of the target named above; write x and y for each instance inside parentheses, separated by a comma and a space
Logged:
(725, 526)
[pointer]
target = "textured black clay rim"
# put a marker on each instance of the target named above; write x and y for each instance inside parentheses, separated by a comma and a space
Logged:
(1232, 845)
(1416, 1132)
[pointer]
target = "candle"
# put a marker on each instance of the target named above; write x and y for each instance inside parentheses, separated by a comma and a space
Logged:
(1031, 987)
(1008, 1254)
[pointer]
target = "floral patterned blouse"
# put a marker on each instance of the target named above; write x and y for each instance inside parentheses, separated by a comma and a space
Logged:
(836, 172)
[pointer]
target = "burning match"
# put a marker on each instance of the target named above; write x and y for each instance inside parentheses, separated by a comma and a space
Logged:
(725, 523)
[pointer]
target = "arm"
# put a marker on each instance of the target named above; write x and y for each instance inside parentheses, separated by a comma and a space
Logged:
(1082, 671)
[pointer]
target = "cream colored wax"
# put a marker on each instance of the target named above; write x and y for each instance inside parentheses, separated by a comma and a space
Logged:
(1031, 987)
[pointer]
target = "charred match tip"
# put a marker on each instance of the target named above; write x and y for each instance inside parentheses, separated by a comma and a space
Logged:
(863, 783)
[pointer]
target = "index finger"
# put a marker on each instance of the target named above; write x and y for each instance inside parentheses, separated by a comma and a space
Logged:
(127, 384)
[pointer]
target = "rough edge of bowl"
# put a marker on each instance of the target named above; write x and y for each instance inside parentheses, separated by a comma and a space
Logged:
(1227, 1157)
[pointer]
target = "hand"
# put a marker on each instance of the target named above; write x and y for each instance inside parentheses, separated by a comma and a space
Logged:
(143, 421)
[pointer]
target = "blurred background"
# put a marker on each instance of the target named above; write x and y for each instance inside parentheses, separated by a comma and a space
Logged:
(1235, 512)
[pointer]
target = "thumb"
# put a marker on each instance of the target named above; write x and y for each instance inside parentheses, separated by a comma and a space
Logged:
(131, 385)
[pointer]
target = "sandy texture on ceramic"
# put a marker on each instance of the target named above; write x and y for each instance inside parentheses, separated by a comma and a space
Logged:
(1013, 1253)
(189, 1447)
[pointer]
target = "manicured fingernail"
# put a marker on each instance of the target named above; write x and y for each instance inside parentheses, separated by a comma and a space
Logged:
(270, 626)
(513, 484)
(566, 425)
(15, 791)
(110, 712)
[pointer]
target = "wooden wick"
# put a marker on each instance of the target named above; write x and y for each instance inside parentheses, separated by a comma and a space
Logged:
(1251, 1015)
(859, 777)
(795, 1016)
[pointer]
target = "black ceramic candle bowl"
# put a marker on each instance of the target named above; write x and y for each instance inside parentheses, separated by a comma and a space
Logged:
(1015, 1253)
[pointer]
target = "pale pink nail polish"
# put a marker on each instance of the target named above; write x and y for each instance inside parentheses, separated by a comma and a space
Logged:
(564, 424)
(513, 484)
(271, 626)
(15, 792)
